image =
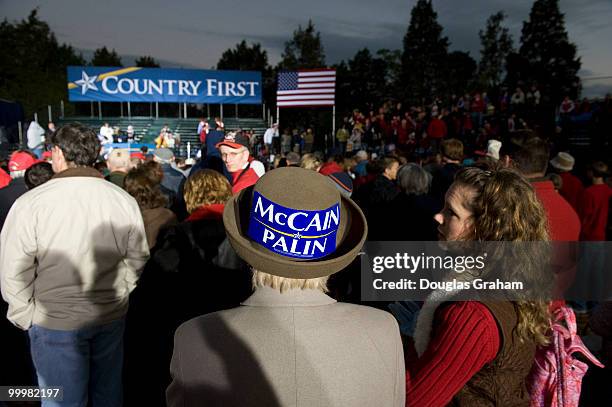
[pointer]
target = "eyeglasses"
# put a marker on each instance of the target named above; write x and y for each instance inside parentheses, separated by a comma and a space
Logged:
(230, 155)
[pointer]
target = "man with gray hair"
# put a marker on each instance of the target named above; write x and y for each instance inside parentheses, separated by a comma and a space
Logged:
(118, 163)
(173, 178)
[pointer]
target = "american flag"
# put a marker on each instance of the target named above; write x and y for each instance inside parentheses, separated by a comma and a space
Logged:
(314, 87)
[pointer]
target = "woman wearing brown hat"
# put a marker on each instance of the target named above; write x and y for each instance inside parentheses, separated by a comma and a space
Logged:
(289, 343)
(477, 353)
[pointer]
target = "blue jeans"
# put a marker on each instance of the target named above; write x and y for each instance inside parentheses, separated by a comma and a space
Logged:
(86, 362)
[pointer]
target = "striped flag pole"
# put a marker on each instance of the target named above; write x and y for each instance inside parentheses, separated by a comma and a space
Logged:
(334, 126)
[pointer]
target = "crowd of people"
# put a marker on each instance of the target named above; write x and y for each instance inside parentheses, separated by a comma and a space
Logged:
(138, 278)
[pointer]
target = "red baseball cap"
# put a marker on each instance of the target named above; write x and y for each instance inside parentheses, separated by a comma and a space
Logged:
(21, 161)
(234, 140)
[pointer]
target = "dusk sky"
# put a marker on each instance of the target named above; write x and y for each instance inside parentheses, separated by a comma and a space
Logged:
(190, 33)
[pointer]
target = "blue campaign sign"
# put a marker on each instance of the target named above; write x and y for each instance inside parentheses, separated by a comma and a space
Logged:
(134, 84)
(290, 232)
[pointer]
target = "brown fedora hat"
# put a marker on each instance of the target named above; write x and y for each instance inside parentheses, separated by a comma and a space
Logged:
(294, 223)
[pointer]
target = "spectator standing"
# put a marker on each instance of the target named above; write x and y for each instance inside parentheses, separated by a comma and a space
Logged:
(196, 271)
(483, 350)
(443, 176)
(84, 256)
(342, 135)
(269, 138)
(593, 211)
(36, 138)
(118, 163)
(234, 150)
(571, 187)
(309, 139)
(19, 162)
(289, 334)
(564, 224)
(436, 131)
(144, 184)
(38, 174)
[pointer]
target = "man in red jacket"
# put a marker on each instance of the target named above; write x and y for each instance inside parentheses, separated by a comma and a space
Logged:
(564, 224)
(234, 151)
(594, 216)
(436, 131)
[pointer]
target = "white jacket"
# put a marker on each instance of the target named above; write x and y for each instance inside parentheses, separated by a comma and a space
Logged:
(71, 251)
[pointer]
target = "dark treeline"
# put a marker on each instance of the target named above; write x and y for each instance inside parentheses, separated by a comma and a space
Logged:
(423, 71)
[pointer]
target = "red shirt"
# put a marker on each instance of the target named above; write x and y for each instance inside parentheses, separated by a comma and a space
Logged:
(464, 339)
(243, 178)
(571, 189)
(5, 179)
(563, 220)
(564, 226)
(478, 106)
(594, 212)
(436, 128)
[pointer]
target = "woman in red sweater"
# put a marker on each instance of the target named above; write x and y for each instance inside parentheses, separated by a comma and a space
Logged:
(478, 353)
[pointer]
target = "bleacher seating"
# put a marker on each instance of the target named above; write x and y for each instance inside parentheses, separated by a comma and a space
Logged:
(146, 129)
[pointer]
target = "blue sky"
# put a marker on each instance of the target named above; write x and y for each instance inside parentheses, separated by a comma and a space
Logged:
(194, 33)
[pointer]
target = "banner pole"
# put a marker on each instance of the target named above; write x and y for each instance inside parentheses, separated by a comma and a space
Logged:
(62, 108)
(92, 109)
(156, 110)
(221, 111)
(100, 110)
(49, 111)
(334, 127)
(121, 109)
(129, 110)
(20, 128)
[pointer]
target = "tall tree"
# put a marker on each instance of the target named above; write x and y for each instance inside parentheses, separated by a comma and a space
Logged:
(147, 62)
(104, 57)
(244, 58)
(552, 59)
(304, 50)
(367, 78)
(393, 64)
(496, 44)
(35, 73)
(461, 72)
(425, 51)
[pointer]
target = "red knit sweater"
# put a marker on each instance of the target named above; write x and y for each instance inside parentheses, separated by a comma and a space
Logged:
(464, 339)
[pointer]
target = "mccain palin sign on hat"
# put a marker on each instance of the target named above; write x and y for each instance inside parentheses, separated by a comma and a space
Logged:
(294, 223)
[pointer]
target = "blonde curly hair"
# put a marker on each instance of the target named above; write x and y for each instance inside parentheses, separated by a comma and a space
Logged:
(206, 187)
(505, 208)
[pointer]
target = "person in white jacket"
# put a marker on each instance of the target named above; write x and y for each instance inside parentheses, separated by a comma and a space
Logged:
(36, 138)
(71, 251)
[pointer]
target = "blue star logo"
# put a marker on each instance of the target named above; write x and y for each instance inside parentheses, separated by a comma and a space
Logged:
(86, 82)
